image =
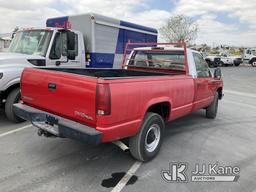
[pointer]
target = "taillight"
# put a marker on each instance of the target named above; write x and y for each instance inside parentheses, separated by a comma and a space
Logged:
(103, 100)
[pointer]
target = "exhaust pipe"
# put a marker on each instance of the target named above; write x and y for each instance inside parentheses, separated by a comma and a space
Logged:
(121, 145)
(42, 132)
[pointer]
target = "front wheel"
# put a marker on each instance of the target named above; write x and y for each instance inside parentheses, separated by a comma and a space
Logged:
(211, 110)
(253, 63)
(13, 97)
(147, 143)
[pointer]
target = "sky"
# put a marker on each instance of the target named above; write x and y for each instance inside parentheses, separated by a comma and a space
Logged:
(221, 22)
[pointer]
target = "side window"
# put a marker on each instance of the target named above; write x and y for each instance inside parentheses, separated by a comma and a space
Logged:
(139, 59)
(201, 66)
(66, 44)
(56, 47)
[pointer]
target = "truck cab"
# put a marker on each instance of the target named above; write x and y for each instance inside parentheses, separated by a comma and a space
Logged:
(250, 56)
(50, 47)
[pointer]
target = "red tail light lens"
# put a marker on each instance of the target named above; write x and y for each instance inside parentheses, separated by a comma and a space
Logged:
(103, 100)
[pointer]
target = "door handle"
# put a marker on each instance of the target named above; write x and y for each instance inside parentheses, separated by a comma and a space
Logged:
(52, 86)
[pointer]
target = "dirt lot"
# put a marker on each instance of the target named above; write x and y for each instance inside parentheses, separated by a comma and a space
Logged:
(32, 163)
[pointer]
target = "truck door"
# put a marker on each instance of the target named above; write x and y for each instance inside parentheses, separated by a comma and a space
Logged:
(203, 91)
(59, 55)
(247, 54)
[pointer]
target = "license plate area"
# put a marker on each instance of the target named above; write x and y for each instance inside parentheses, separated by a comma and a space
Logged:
(50, 125)
(50, 120)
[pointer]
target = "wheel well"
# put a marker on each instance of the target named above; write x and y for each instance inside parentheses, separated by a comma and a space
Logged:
(7, 91)
(163, 109)
(207, 60)
(252, 60)
(220, 92)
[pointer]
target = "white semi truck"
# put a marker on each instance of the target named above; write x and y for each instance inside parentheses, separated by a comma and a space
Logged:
(88, 40)
(249, 56)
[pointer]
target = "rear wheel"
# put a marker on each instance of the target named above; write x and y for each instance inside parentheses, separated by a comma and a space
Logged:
(237, 63)
(13, 97)
(209, 63)
(211, 110)
(147, 143)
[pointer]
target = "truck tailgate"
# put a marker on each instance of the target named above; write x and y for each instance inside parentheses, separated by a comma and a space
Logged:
(65, 94)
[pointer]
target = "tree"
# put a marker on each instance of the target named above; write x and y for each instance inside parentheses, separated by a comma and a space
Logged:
(180, 28)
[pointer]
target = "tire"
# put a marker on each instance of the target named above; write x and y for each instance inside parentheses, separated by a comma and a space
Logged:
(209, 63)
(211, 110)
(141, 145)
(253, 62)
(237, 63)
(216, 64)
(13, 97)
(222, 63)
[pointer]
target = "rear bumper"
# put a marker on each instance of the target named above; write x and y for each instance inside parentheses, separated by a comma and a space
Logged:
(57, 125)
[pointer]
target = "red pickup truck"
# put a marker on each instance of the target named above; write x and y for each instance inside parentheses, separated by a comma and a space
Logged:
(156, 85)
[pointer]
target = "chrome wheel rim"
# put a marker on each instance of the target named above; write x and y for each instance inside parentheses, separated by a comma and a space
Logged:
(152, 138)
(254, 64)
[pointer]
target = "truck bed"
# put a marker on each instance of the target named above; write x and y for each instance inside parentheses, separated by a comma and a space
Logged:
(109, 100)
(109, 73)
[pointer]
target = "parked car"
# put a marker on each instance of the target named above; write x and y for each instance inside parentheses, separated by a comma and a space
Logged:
(157, 85)
(227, 60)
(82, 41)
(213, 60)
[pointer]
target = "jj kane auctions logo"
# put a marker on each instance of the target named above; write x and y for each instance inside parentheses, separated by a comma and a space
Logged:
(178, 171)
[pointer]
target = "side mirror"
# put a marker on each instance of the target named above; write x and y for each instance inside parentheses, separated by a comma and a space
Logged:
(217, 73)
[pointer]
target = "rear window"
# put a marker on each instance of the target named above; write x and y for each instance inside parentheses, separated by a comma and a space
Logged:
(158, 59)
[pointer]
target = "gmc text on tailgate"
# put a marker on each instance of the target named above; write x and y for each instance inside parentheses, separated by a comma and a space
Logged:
(158, 83)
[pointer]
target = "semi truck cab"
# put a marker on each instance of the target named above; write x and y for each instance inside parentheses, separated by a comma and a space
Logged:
(250, 56)
(49, 47)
